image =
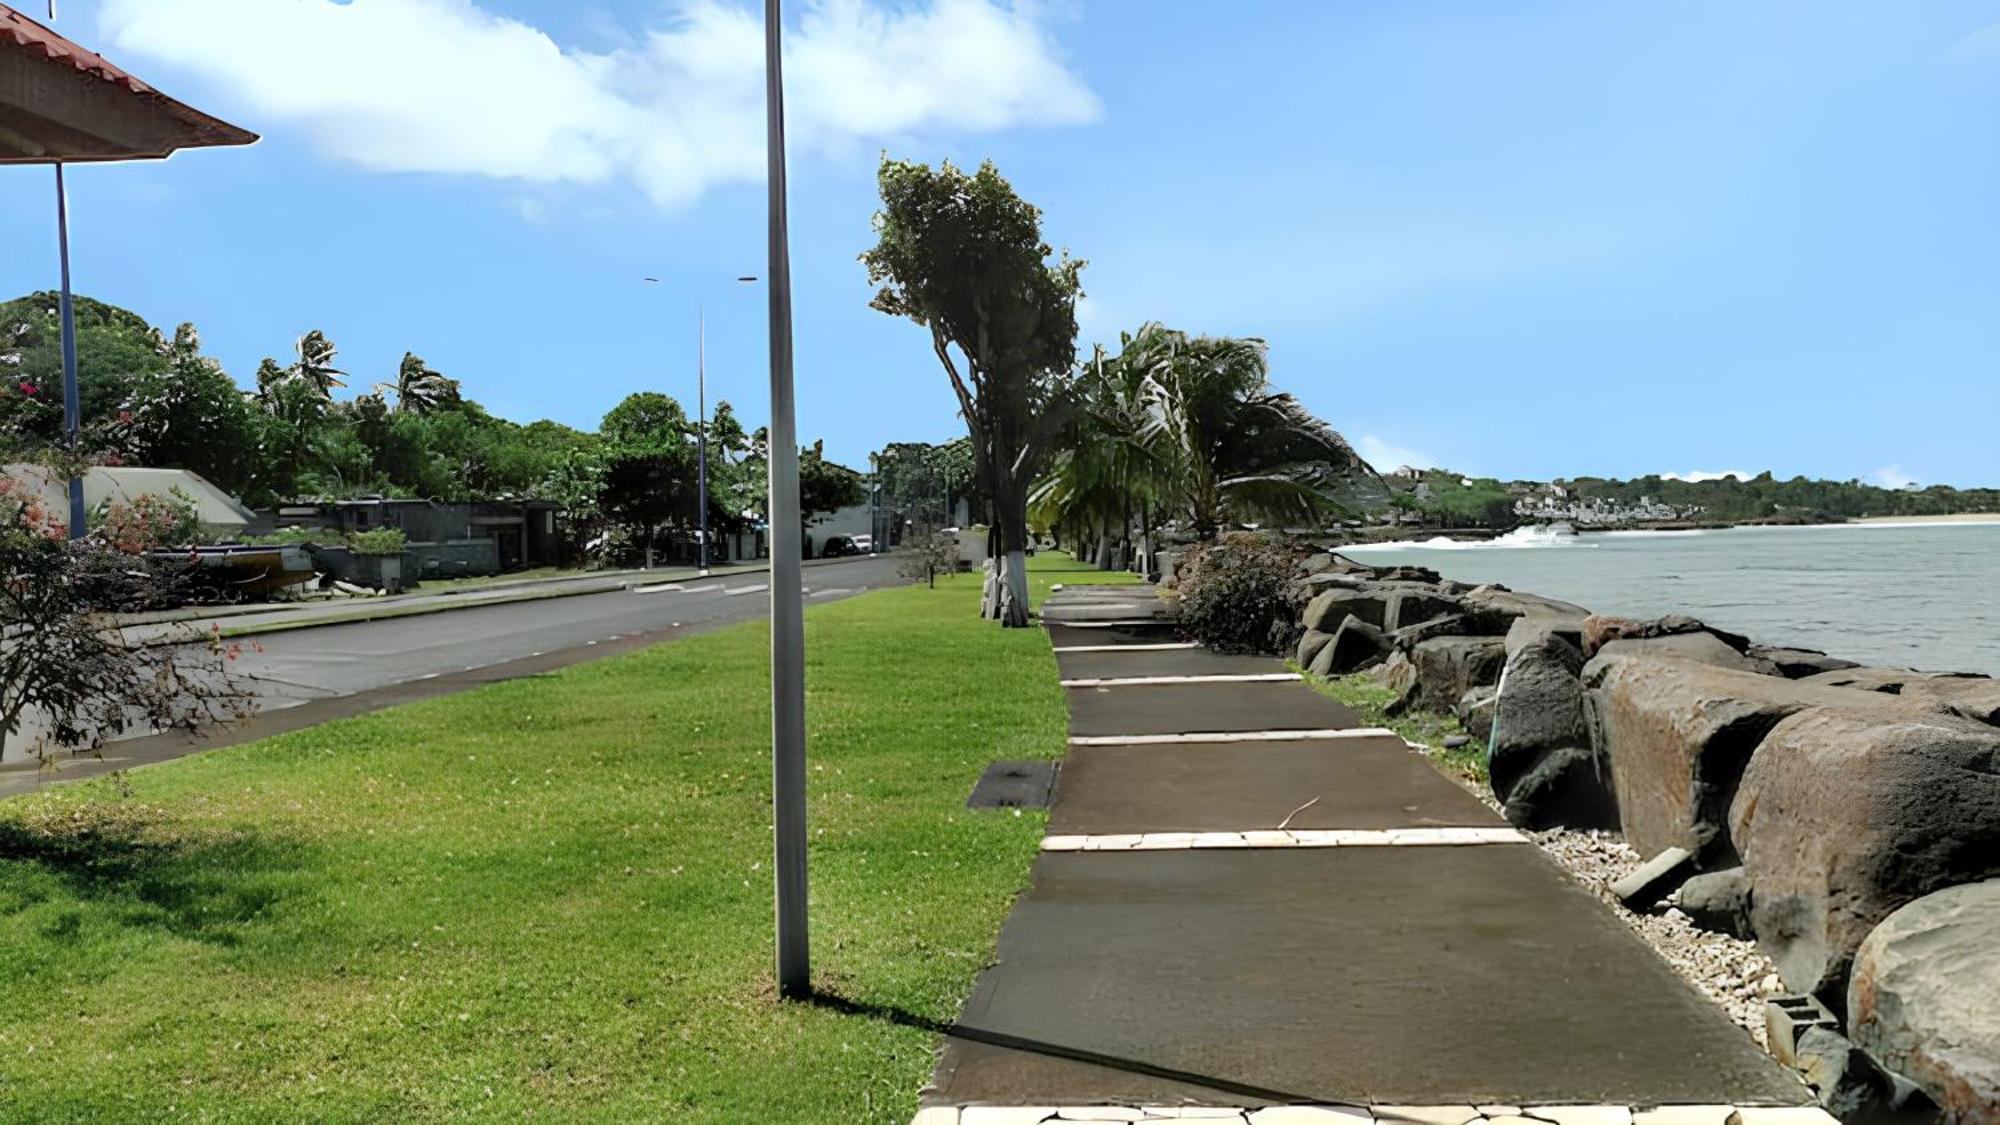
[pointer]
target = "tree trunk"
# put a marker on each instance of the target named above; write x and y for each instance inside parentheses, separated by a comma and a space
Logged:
(1104, 551)
(1013, 590)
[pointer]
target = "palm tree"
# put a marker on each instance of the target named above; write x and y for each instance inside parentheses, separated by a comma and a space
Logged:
(418, 389)
(314, 366)
(1235, 450)
(1104, 479)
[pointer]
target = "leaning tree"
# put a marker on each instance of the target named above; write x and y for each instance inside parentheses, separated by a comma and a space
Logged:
(963, 256)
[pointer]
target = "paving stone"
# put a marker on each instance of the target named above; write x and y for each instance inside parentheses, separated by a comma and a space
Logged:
(1115, 843)
(1309, 1115)
(1583, 1114)
(1426, 1114)
(1684, 1115)
(1005, 1114)
(1062, 843)
(1268, 839)
(1784, 1115)
(936, 1115)
(1219, 840)
(1499, 1110)
(1162, 841)
(1101, 1113)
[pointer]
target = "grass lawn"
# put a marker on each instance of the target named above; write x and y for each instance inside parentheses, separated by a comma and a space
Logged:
(545, 899)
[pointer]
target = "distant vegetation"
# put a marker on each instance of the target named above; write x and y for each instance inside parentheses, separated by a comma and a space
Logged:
(152, 398)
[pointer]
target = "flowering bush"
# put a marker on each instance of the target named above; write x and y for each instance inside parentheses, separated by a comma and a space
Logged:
(148, 523)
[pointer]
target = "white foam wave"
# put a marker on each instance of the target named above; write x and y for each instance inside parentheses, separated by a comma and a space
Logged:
(1535, 537)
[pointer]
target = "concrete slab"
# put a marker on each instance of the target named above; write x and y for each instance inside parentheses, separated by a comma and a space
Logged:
(1415, 976)
(1156, 662)
(1365, 783)
(1187, 708)
(1064, 636)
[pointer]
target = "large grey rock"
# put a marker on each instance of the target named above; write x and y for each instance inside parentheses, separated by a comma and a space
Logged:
(1448, 667)
(1539, 714)
(1718, 901)
(1475, 712)
(1797, 663)
(1531, 627)
(1409, 607)
(1309, 646)
(1356, 645)
(1925, 998)
(1399, 674)
(1703, 646)
(1331, 606)
(1676, 735)
(1975, 697)
(1601, 629)
(1845, 815)
(1853, 1087)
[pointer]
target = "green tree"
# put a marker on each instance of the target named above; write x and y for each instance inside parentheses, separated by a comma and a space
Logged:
(963, 256)
(649, 469)
(826, 486)
(189, 414)
(418, 389)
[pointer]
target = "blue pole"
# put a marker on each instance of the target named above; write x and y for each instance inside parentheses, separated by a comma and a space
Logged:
(72, 403)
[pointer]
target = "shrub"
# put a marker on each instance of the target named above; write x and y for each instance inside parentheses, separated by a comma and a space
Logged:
(149, 522)
(381, 541)
(1235, 593)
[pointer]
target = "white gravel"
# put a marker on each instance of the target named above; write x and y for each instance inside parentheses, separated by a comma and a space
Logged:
(1733, 973)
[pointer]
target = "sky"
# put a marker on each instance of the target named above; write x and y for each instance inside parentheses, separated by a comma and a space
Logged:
(1523, 240)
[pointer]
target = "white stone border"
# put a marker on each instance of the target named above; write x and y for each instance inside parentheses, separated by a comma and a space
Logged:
(1160, 681)
(1324, 1114)
(1283, 838)
(1163, 646)
(1121, 623)
(1317, 735)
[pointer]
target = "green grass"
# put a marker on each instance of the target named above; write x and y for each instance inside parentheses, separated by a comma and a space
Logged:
(1369, 698)
(548, 898)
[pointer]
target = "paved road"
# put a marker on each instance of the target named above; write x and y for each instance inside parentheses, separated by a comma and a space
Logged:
(311, 675)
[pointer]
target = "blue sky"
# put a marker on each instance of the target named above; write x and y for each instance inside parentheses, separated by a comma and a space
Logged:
(1534, 239)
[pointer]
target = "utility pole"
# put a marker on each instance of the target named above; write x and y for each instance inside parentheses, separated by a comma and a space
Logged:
(701, 426)
(788, 663)
(72, 395)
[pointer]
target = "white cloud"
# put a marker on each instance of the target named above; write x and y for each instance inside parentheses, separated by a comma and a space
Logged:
(1388, 457)
(1699, 475)
(446, 86)
(1892, 476)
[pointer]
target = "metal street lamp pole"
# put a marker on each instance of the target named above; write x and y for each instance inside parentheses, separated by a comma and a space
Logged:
(701, 427)
(788, 669)
(72, 396)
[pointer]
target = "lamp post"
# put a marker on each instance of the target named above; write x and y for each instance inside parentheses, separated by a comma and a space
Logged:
(701, 421)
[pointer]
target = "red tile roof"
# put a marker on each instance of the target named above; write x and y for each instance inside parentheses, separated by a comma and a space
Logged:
(181, 125)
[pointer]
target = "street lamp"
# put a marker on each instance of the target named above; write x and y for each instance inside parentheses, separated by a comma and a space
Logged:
(701, 420)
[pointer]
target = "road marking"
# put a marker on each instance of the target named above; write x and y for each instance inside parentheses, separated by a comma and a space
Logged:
(662, 588)
(830, 593)
(1163, 647)
(757, 589)
(1158, 681)
(709, 589)
(1231, 736)
(1286, 838)
(1358, 1114)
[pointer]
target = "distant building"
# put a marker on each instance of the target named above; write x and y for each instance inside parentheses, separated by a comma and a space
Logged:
(446, 539)
(219, 514)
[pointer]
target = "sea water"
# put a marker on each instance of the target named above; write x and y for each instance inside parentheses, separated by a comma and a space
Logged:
(1907, 595)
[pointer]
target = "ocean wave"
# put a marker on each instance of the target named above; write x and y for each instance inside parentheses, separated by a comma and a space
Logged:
(1521, 538)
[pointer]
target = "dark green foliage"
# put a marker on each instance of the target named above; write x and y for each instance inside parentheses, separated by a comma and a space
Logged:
(1236, 592)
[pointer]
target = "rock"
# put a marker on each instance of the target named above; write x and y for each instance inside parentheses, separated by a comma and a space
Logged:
(1475, 622)
(1568, 787)
(1676, 735)
(1355, 646)
(1538, 718)
(1309, 646)
(1448, 667)
(1414, 607)
(1797, 663)
(1399, 674)
(1508, 604)
(1422, 574)
(1925, 992)
(1600, 630)
(1652, 881)
(1457, 741)
(1475, 712)
(1974, 697)
(1844, 815)
(1718, 901)
(1530, 627)
(1703, 646)
(1851, 1086)
(1315, 564)
(1332, 606)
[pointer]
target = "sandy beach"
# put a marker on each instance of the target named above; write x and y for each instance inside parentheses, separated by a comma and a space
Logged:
(1956, 517)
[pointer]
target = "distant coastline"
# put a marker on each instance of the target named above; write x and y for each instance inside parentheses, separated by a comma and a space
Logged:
(1955, 517)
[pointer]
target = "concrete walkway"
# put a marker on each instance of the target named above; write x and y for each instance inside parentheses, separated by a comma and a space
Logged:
(1248, 909)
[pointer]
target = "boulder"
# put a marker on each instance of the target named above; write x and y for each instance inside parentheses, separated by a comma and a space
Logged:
(1408, 607)
(1974, 697)
(1475, 712)
(1331, 606)
(1852, 1087)
(1422, 574)
(1399, 674)
(1844, 815)
(1925, 994)
(1356, 645)
(1472, 623)
(1646, 885)
(1316, 564)
(1676, 735)
(1531, 627)
(1567, 787)
(1698, 645)
(1718, 901)
(1600, 630)
(1309, 646)
(1539, 709)
(1797, 663)
(1510, 604)
(1448, 667)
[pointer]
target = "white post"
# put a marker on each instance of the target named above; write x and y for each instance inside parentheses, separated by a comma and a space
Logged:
(788, 669)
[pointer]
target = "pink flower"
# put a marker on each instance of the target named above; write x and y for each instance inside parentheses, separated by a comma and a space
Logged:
(28, 388)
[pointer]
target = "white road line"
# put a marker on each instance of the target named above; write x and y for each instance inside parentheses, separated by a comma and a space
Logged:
(709, 589)
(1158, 681)
(1289, 838)
(1230, 736)
(1130, 648)
(757, 589)
(662, 588)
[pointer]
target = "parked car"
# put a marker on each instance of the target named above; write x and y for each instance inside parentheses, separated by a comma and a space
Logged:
(839, 546)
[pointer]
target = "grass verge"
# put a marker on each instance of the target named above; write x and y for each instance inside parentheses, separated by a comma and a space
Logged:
(548, 898)
(1369, 698)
